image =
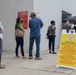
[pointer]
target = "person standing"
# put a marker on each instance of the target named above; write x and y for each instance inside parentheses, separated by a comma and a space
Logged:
(1, 38)
(67, 26)
(35, 25)
(51, 37)
(19, 40)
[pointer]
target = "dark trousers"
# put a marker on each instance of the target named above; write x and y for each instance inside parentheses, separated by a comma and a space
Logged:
(19, 42)
(37, 39)
(51, 42)
(0, 50)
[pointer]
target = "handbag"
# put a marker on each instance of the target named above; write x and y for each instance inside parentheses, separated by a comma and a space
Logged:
(19, 33)
(47, 37)
(47, 34)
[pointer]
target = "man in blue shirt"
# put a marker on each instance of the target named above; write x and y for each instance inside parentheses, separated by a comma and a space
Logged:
(35, 24)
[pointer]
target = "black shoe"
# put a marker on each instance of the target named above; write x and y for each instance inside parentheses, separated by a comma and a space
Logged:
(2, 67)
(38, 58)
(54, 53)
(49, 51)
(30, 57)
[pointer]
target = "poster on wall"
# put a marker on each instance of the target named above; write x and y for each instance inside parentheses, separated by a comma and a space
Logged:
(24, 16)
(67, 51)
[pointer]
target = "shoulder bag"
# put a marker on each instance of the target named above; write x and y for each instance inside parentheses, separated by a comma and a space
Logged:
(19, 33)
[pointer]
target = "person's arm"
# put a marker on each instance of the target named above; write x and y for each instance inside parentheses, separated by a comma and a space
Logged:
(22, 27)
(55, 29)
(29, 24)
(47, 32)
(1, 28)
(41, 23)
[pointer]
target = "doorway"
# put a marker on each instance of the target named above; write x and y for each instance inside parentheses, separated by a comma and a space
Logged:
(65, 15)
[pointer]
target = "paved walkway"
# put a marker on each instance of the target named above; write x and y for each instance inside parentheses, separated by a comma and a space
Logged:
(46, 66)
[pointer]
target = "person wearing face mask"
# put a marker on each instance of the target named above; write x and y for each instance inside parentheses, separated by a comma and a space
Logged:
(19, 40)
(51, 37)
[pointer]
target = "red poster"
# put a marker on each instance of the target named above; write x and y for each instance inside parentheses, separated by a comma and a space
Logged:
(24, 16)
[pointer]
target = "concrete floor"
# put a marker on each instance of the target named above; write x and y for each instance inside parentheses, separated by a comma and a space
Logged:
(46, 66)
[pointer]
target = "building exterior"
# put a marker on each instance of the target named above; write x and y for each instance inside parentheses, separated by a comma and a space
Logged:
(47, 9)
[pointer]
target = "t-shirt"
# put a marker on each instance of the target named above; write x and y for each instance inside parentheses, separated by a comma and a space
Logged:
(35, 24)
(1, 36)
(67, 27)
(19, 27)
(51, 31)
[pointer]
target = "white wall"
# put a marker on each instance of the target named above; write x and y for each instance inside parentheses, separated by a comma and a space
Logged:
(49, 10)
(8, 13)
(69, 6)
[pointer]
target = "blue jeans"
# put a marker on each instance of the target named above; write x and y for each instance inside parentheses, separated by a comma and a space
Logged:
(37, 40)
(51, 42)
(0, 50)
(19, 42)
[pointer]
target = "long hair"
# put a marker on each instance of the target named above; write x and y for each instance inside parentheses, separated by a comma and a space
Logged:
(17, 22)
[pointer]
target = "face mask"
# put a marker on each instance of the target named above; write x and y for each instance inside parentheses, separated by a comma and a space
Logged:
(53, 26)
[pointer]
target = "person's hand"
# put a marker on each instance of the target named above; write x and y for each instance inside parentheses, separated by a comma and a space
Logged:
(0, 30)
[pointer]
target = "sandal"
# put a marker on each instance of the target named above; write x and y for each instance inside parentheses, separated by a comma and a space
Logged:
(2, 67)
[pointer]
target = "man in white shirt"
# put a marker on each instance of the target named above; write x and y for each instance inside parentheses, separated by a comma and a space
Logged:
(1, 38)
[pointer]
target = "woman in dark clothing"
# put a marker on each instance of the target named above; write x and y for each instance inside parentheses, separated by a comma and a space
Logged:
(19, 40)
(51, 36)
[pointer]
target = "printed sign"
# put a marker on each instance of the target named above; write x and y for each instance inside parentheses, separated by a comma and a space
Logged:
(24, 16)
(67, 51)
